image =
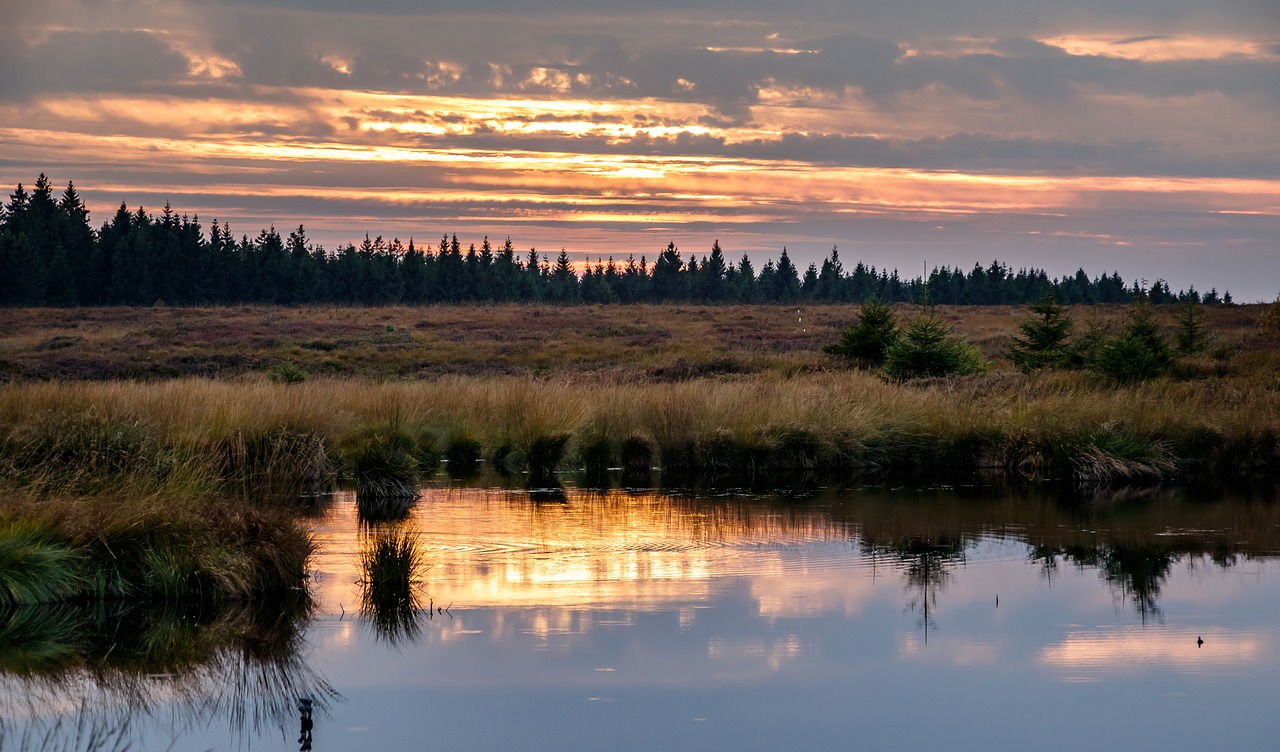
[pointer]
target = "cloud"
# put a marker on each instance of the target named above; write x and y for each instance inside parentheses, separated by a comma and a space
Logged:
(73, 61)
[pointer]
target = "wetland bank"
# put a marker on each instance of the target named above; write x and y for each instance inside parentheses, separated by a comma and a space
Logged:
(183, 509)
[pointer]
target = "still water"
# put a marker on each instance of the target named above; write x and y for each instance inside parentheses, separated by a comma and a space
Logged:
(867, 617)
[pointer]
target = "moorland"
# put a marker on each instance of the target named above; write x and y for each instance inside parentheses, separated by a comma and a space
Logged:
(159, 452)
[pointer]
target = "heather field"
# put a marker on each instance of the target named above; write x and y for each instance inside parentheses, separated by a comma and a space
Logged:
(628, 343)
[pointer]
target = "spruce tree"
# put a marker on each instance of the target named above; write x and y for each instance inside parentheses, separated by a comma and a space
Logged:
(1043, 343)
(1138, 353)
(927, 349)
(1193, 332)
(865, 343)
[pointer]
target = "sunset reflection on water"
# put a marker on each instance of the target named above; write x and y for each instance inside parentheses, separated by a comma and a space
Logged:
(919, 616)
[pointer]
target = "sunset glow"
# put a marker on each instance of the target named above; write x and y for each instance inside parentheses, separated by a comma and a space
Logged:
(1079, 139)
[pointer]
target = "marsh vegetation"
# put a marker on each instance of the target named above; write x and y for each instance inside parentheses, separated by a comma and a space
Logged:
(186, 488)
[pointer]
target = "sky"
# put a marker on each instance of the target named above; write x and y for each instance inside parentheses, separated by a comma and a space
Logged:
(1137, 136)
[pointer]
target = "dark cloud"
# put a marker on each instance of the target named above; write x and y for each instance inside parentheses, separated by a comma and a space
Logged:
(105, 61)
(961, 152)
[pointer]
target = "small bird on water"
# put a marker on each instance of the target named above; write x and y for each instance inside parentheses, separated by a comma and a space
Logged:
(1199, 640)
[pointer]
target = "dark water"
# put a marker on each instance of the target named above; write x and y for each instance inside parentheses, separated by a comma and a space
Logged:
(867, 618)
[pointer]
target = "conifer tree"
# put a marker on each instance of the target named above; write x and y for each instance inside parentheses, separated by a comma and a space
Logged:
(786, 280)
(668, 284)
(1138, 353)
(1043, 343)
(711, 277)
(865, 343)
(1193, 331)
(927, 349)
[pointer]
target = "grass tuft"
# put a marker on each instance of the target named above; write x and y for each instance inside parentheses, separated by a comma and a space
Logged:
(35, 567)
(385, 466)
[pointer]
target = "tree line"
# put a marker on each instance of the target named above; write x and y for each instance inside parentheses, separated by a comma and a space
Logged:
(51, 256)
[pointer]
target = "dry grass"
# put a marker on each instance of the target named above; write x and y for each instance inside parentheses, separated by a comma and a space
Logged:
(845, 418)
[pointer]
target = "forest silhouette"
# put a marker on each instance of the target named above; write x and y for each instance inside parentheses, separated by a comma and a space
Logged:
(51, 256)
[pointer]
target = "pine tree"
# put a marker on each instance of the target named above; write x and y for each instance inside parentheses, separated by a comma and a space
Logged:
(711, 277)
(564, 283)
(786, 280)
(744, 289)
(668, 284)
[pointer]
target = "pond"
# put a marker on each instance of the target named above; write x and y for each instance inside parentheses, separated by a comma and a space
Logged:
(868, 616)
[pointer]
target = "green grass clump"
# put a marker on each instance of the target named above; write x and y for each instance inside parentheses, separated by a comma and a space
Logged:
(287, 372)
(36, 567)
(88, 453)
(41, 639)
(1113, 453)
(152, 549)
(596, 452)
(544, 454)
(462, 452)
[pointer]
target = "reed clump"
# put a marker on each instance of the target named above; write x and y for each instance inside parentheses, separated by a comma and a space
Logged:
(385, 465)
(37, 567)
(274, 463)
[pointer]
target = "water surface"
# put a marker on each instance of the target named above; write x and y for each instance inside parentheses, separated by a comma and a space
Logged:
(875, 617)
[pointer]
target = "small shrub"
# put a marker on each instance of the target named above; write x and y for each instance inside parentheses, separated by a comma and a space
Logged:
(1269, 323)
(1083, 350)
(287, 372)
(927, 349)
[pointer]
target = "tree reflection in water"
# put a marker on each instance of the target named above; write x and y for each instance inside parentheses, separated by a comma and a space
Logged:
(926, 563)
(80, 678)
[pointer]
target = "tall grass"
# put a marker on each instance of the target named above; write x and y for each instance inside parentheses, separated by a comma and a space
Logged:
(1051, 422)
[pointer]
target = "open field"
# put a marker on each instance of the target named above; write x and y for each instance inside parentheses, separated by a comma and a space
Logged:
(626, 343)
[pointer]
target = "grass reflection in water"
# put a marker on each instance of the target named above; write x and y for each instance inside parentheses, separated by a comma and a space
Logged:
(392, 565)
(77, 677)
